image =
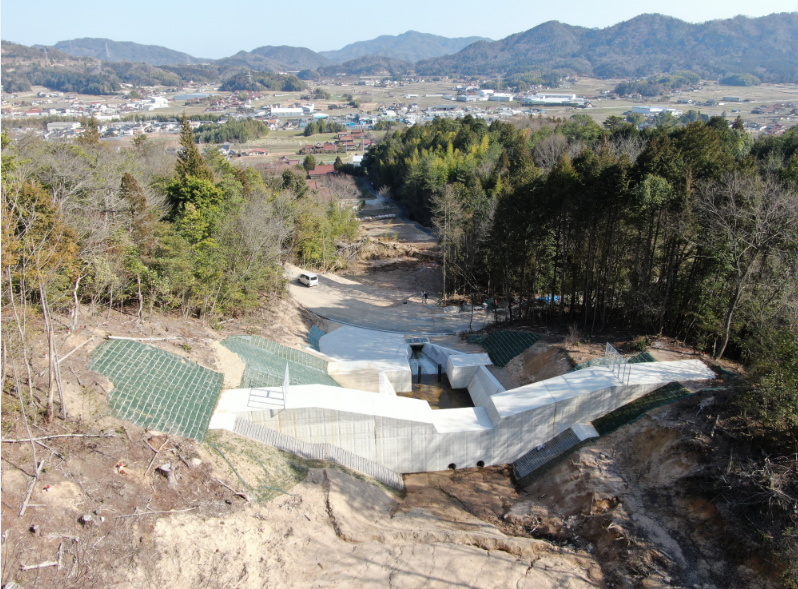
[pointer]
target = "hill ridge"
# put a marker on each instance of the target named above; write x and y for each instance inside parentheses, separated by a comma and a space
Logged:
(643, 45)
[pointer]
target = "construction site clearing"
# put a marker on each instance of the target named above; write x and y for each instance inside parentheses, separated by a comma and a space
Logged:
(292, 450)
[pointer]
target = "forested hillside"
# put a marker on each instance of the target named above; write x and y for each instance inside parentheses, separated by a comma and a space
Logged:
(259, 81)
(370, 65)
(690, 230)
(109, 50)
(85, 224)
(296, 58)
(642, 46)
(411, 46)
(26, 66)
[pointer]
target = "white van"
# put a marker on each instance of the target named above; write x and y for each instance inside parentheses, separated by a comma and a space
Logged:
(309, 279)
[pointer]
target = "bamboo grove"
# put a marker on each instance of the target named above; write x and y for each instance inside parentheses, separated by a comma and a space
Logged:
(688, 230)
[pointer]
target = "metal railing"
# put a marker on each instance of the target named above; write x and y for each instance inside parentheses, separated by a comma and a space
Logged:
(619, 365)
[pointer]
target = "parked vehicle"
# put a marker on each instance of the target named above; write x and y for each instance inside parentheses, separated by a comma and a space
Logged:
(309, 279)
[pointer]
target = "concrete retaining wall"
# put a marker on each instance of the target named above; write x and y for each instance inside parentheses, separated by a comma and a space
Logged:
(439, 354)
(364, 375)
(502, 427)
(386, 388)
(586, 408)
(319, 452)
(400, 445)
(461, 368)
(482, 385)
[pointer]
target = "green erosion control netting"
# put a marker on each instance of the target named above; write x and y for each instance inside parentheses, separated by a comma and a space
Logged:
(636, 409)
(503, 346)
(314, 335)
(644, 357)
(157, 389)
(640, 358)
(265, 363)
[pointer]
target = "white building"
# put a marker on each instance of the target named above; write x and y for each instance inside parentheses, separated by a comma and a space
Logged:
(158, 102)
(548, 99)
(287, 112)
(66, 126)
(655, 110)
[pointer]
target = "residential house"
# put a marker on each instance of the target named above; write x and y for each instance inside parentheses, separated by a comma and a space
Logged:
(323, 170)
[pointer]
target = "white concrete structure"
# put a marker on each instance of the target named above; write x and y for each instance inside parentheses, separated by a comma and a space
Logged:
(462, 368)
(286, 112)
(548, 99)
(362, 357)
(406, 435)
(655, 110)
(157, 102)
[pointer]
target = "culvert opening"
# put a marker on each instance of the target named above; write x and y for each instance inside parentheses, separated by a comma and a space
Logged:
(452, 466)
(480, 464)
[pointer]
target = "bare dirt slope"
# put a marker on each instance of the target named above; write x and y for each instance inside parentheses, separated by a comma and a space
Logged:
(643, 500)
(338, 531)
(538, 362)
(106, 514)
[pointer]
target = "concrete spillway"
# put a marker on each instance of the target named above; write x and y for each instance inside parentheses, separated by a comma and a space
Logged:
(406, 435)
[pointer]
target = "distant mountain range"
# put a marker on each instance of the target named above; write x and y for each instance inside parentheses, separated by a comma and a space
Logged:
(765, 47)
(648, 44)
(275, 59)
(411, 46)
(108, 50)
(369, 65)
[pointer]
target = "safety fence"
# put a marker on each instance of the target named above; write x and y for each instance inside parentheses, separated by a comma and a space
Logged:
(617, 363)
(311, 451)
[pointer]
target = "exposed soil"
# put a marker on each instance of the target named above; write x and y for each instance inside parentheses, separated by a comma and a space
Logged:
(632, 509)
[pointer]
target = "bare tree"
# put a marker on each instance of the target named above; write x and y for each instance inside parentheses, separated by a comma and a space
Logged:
(748, 220)
(549, 151)
(447, 215)
(629, 146)
(338, 187)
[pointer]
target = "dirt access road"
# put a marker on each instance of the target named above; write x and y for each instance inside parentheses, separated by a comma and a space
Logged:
(346, 301)
(391, 301)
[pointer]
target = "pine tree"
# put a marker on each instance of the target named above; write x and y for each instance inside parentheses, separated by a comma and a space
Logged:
(142, 219)
(338, 164)
(309, 163)
(190, 161)
(91, 133)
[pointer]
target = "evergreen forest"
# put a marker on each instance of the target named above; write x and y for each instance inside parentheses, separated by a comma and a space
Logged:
(686, 230)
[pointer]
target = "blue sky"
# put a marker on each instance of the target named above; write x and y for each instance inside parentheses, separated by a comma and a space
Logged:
(215, 29)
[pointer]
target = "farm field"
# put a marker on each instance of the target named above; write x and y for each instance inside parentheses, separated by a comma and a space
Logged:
(429, 93)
